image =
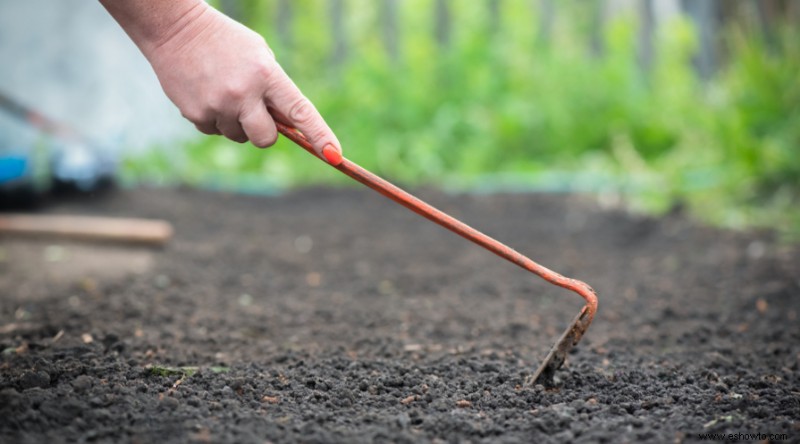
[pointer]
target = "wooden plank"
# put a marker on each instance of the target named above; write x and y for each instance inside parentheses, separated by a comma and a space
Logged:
(125, 230)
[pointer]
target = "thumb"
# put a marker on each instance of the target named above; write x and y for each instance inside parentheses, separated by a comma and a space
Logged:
(291, 107)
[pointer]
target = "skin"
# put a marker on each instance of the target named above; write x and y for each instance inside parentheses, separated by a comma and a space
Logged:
(221, 75)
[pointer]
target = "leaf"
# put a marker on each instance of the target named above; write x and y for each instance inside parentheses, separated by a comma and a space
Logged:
(186, 371)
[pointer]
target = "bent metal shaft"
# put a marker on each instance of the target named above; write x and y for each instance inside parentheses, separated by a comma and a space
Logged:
(577, 328)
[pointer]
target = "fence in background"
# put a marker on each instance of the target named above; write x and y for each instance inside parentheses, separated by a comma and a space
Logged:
(391, 20)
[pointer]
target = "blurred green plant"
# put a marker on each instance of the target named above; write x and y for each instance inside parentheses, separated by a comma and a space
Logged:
(496, 108)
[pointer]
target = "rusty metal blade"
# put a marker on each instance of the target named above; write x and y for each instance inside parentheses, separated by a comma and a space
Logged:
(558, 353)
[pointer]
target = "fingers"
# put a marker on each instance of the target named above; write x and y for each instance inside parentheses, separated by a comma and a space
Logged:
(254, 124)
(258, 125)
(230, 127)
(207, 128)
(284, 96)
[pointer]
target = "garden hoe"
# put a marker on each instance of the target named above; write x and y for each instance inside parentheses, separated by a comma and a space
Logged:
(555, 358)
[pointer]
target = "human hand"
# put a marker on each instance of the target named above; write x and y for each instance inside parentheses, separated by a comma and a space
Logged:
(224, 78)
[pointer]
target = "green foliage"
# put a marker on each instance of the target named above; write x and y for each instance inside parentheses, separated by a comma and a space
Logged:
(160, 370)
(763, 126)
(497, 106)
(740, 164)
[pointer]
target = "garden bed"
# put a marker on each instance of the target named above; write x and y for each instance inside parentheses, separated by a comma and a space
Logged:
(335, 315)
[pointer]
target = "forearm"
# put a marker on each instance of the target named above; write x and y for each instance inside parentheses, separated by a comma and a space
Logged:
(151, 23)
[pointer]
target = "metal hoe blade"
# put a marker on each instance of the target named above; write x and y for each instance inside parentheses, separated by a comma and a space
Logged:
(555, 358)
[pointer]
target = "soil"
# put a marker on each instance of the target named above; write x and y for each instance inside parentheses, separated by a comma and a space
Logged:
(331, 315)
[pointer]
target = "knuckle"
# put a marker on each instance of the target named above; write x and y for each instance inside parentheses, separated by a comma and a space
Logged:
(302, 111)
(216, 101)
(266, 71)
(246, 113)
(235, 92)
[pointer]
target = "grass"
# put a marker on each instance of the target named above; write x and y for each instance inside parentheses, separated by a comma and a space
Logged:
(183, 372)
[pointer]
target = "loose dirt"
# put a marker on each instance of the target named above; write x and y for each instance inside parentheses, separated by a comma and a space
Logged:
(336, 316)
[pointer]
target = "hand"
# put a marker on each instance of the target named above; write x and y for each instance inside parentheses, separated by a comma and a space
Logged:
(224, 78)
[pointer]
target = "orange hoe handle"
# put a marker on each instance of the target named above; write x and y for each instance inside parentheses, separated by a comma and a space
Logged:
(580, 324)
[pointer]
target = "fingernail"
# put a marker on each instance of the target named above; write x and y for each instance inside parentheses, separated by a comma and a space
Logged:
(333, 156)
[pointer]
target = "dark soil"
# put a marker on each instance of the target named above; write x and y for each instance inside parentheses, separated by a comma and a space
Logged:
(338, 316)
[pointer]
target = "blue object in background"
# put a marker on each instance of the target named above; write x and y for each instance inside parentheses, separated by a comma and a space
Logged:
(38, 154)
(12, 168)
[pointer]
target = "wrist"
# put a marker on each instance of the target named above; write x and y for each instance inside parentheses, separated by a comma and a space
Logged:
(153, 23)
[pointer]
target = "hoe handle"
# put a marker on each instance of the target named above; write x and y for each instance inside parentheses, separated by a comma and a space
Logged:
(584, 318)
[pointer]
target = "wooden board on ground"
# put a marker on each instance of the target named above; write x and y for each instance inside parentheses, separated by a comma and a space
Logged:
(125, 230)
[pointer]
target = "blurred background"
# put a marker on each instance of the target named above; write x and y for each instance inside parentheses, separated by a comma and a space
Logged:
(655, 104)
